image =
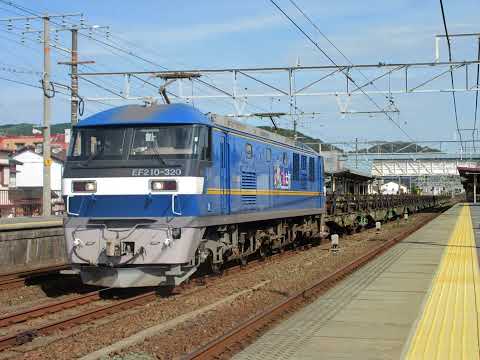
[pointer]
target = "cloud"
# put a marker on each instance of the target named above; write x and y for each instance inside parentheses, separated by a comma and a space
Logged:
(205, 31)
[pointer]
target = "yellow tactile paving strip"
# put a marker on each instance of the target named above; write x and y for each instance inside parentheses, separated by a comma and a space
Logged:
(449, 325)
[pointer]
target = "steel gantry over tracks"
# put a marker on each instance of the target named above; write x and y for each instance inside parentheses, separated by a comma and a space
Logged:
(292, 82)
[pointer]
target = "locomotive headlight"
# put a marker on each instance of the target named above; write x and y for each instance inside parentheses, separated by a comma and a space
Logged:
(84, 186)
(163, 185)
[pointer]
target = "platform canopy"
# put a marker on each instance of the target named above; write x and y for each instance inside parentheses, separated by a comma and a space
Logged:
(470, 175)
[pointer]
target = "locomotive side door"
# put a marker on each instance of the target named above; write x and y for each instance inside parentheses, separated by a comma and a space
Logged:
(224, 174)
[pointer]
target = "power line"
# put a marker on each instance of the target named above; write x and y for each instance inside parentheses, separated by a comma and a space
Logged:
(111, 45)
(330, 42)
(20, 82)
(340, 69)
(451, 74)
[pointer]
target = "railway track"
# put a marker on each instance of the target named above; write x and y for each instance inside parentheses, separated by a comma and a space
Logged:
(19, 279)
(238, 337)
(19, 338)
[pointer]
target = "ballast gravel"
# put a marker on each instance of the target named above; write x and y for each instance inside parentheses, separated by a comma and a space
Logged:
(285, 276)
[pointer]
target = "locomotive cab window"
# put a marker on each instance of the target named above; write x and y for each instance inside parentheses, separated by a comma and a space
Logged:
(98, 143)
(140, 143)
(248, 150)
(285, 159)
(176, 142)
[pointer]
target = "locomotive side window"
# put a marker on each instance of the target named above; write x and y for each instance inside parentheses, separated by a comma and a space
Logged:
(304, 162)
(248, 150)
(268, 154)
(311, 169)
(285, 159)
(296, 167)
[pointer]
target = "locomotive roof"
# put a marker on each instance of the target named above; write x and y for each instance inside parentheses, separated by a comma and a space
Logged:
(147, 115)
(176, 114)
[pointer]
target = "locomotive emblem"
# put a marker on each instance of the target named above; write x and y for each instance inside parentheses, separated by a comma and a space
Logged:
(281, 178)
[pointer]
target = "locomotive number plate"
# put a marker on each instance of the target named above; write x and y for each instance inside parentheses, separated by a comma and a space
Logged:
(157, 172)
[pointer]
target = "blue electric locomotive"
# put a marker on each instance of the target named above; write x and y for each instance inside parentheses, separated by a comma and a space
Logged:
(153, 192)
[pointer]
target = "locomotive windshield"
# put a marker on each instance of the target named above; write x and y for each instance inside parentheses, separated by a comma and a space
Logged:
(140, 143)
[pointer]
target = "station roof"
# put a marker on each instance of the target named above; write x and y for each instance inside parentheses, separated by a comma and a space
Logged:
(147, 115)
(353, 174)
(467, 172)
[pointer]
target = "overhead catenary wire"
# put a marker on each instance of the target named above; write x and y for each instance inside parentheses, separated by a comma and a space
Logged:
(328, 40)
(451, 74)
(348, 76)
(109, 44)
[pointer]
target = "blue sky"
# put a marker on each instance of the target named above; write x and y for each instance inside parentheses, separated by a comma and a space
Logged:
(252, 33)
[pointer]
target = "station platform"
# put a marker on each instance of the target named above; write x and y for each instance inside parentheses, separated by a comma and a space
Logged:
(418, 300)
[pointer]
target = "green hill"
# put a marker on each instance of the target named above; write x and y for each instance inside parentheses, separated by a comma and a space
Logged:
(312, 142)
(26, 129)
(397, 147)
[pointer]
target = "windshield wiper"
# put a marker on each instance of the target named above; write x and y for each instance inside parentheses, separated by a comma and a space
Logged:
(91, 158)
(158, 157)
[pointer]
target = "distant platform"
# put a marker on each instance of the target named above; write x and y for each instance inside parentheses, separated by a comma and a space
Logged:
(419, 300)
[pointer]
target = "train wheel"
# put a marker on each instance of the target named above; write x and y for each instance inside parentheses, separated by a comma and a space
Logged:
(216, 268)
(264, 251)
(243, 261)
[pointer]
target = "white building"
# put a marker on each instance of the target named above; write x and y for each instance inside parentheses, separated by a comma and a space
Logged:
(30, 171)
(392, 188)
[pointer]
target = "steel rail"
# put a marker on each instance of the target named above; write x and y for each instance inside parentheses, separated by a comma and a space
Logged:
(22, 337)
(19, 338)
(239, 335)
(18, 279)
(49, 308)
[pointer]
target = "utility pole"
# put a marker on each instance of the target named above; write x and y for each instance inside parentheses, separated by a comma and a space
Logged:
(48, 94)
(74, 76)
(47, 161)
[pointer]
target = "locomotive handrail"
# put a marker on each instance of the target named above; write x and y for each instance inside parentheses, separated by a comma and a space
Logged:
(67, 207)
(174, 196)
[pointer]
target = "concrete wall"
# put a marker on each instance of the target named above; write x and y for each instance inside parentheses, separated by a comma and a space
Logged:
(31, 248)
